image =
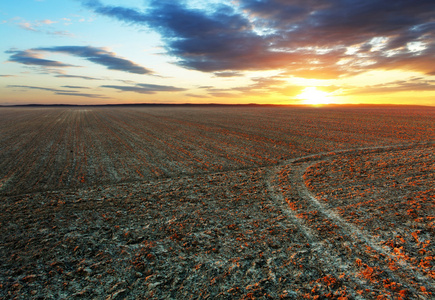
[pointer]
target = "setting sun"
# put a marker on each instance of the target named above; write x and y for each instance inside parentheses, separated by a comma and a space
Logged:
(312, 96)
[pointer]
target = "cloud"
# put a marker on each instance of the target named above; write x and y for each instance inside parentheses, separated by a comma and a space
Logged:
(411, 85)
(27, 26)
(59, 91)
(74, 87)
(48, 22)
(96, 55)
(31, 57)
(306, 38)
(228, 74)
(82, 95)
(122, 13)
(261, 86)
(196, 96)
(77, 76)
(224, 95)
(46, 26)
(37, 88)
(144, 88)
(35, 26)
(61, 33)
(218, 41)
(99, 56)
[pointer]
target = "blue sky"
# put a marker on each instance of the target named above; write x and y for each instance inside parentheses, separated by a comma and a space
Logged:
(211, 51)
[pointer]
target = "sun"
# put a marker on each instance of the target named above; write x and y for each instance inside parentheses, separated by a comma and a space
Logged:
(312, 96)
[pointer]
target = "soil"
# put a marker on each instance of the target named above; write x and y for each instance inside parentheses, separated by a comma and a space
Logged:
(349, 223)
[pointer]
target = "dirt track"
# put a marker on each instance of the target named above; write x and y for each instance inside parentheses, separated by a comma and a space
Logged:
(311, 216)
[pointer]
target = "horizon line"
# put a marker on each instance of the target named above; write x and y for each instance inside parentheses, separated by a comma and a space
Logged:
(213, 104)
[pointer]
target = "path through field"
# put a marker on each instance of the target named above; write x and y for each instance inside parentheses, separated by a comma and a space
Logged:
(342, 246)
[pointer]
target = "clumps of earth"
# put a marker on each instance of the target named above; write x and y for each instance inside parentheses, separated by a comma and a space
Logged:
(265, 233)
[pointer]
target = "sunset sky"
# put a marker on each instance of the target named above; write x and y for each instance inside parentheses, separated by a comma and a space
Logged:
(216, 51)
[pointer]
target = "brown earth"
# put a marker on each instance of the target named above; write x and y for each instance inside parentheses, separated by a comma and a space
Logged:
(227, 203)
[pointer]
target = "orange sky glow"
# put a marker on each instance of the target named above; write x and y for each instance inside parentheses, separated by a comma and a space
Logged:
(245, 51)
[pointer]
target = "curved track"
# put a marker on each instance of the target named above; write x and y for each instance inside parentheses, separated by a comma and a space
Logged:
(345, 248)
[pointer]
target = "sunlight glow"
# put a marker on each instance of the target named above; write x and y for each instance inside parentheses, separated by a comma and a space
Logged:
(312, 96)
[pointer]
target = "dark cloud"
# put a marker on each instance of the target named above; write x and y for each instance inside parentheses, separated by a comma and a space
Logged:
(122, 13)
(340, 22)
(31, 57)
(143, 88)
(308, 38)
(99, 56)
(207, 41)
(260, 85)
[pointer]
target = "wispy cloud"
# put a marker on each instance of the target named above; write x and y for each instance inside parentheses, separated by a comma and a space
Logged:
(99, 56)
(411, 85)
(260, 86)
(197, 96)
(59, 91)
(143, 88)
(37, 88)
(27, 26)
(74, 87)
(317, 39)
(77, 77)
(94, 96)
(227, 74)
(48, 22)
(36, 26)
(47, 26)
(224, 95)
(93, 54)
(32, 57)
(61, 33)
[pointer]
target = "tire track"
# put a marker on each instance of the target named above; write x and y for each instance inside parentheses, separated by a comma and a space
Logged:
(363, 235)
(321, 247)
(309, 215)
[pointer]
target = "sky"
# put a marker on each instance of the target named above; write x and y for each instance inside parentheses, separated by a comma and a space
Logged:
(215, 51)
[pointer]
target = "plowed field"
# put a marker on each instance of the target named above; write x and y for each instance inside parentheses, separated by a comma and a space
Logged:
(217, 202)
